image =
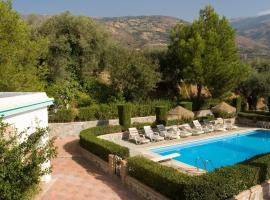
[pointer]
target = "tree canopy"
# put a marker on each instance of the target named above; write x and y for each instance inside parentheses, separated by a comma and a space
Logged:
(204, 53)
(20, 55)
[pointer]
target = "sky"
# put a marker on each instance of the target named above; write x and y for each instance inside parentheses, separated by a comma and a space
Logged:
(184, 9)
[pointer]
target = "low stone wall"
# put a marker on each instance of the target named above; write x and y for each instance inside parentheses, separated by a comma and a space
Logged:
(101, 164)
(74, 128)
(137, 187)
(142, 190)
(258, 192)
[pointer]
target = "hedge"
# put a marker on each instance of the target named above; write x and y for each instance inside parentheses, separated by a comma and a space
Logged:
(101, 148)
(254, 116)
(161, 115)
(223, 183)
(124, 116)
(63, 115)
(109, 111)
(103, 130)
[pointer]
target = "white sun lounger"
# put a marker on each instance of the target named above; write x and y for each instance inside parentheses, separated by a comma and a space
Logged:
(165, 158)
(153, 136)
(198, 126)
(187, 127)
(166, 134)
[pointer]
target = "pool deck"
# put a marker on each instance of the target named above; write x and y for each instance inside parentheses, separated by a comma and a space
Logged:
(145, 149)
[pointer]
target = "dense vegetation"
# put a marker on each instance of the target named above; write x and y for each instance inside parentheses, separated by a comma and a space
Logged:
(20, 163)
(222, 183)
(76, 61)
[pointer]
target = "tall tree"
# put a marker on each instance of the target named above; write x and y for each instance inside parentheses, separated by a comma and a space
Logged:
(20, 54)
(132, 75)
(77, 47)
(204, 53)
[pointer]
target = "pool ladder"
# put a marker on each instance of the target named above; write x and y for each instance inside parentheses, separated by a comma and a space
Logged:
(204, 162)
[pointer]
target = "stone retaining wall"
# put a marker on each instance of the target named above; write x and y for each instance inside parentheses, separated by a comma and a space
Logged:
(74, 128)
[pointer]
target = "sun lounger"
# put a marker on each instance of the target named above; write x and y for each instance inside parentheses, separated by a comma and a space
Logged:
(136, 137)
(167, 135)
(219, 125)
(153, 136)
(181, 133)
(229, 125)
(165, 158)
(187, 127)
(206, 128)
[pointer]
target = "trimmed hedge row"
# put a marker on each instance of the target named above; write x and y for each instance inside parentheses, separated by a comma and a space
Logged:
(254, 116)
(101, 148)
(107, 111)
(161, 115)
(222, 183)
(186, 104)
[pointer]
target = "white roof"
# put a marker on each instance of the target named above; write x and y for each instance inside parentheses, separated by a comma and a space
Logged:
(15, 102)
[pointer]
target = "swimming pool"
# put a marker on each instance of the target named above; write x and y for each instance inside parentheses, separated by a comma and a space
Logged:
(223, 151)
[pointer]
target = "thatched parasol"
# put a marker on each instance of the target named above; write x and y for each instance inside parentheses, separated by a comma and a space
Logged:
(224, 107)
(181, 113)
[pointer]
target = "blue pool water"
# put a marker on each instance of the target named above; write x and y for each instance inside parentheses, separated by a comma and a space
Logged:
(222, 151)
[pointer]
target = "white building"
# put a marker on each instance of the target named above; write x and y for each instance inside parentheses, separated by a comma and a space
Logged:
(26, 111)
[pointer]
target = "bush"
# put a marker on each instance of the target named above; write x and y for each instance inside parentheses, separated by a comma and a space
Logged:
(223, 183)
(124, 116)
(186, 104)
(103, 130)
(63, 115)
(20, 165)
(204, 104)
(237, 103)
(161, 115)
(224, 115)
(101, 148)
(253, 116)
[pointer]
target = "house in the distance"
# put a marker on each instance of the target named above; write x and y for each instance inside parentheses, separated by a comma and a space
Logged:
(26, 111)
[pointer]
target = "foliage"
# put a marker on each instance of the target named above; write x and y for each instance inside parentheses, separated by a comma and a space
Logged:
(132, 75)
(124, 115)
(21, 65)
(204, 53)
(204, 104)
(63, 115)
(101, 148)
(109, 111)
(255, 116)
(186, 104)
(103, 130)
(223, 183)
(161, 115)
(20, 165)
(258, 85)
(237, 103)
(224, 115)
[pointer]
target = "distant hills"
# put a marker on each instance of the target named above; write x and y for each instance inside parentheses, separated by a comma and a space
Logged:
(141, 31)
(253, 33)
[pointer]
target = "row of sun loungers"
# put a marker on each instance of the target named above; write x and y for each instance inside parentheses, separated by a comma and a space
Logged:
(175, 132)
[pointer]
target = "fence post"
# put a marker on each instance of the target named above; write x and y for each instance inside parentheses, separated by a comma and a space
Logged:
(123, 170)
(111, 164)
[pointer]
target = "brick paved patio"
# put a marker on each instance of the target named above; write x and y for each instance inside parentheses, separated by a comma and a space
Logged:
(75, 179)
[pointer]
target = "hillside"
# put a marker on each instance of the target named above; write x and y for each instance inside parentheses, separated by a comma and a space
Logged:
(141, 31)
(253, 35)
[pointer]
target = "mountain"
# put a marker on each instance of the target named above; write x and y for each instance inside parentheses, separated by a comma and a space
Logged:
(253, 35)
(141, 31)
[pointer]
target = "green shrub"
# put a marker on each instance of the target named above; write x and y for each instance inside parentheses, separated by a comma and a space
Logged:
(141, 125)
(161, 115)
(103, 130)
(220, 184)
(20, 177)
(63, 115)
(237, 103)
(224, 115)
(186, 104)
(268, 102)
(253, 116)
(101, 148)
(124, 116)
(172, 122)
(204, 104)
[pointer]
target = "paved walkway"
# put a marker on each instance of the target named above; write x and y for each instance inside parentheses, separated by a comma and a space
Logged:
(75, 179)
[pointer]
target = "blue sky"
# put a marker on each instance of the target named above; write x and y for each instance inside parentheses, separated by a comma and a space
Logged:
(185, 9)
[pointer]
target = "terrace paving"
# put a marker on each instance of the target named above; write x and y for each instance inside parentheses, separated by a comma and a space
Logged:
(75, 179)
